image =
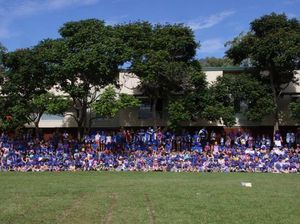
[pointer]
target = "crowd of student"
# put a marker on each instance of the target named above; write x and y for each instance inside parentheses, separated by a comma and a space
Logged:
(153, 150)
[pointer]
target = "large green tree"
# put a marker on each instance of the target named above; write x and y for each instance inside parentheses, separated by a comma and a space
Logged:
(244, 94)
(221, 100)
(273, 48)
(201, 102)
(25, 78)
(85, 59)
(163, 57)
(189, 105)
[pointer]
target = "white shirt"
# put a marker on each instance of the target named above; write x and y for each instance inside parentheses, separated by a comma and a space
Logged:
(108, 139)
(97, 137)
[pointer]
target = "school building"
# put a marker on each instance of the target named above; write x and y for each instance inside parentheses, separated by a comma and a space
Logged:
(142, 116)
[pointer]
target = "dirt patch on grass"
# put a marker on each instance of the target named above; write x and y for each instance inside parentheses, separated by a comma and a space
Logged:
(114, 198)
(150, 209)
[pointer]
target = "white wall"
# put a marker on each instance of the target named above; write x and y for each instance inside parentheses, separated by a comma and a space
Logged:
(212, 76)
(129, 83)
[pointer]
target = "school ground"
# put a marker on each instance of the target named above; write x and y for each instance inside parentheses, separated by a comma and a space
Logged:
(136, 197)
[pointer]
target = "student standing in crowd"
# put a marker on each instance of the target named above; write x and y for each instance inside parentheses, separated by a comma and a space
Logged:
(277, 139)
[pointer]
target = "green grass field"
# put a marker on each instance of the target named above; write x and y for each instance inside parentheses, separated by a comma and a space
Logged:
(110, 197)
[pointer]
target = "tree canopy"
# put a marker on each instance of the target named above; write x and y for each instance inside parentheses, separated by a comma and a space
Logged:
(221, 100)
(243, 90)
(86, 58)
(26, 77)
(162, 56)
(273, 47)
(189, 105)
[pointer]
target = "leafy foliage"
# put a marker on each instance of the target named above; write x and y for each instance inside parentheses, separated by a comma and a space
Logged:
(110, 103)
(232, 90)
(178, 112)
(50, 103)
(88, 55)
(219, 113)
(13, 114)
(86, 58)
(272, 45)
(221, 101)
(26, 74)
(162, 56)
(295, 110)
(216, 62)
(26, 77)
(188, 105)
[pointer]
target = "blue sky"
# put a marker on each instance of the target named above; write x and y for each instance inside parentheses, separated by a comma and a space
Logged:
(23, 23)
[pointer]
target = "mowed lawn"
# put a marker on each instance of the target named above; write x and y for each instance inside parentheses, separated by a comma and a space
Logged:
(111, 197)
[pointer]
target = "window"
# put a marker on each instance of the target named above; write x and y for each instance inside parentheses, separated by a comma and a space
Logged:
(52, 117)
(145, 109)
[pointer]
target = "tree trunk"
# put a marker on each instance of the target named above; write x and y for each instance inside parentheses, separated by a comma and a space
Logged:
(90, 123)
(276, 121)
(81, 121)
(37, 130)
(153, 111)
(79, 130)
(36, 125)
(275, 99)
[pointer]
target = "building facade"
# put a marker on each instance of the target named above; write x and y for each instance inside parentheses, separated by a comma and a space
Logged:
(142, 116)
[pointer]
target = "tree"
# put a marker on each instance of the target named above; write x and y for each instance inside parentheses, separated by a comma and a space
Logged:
(216, 62)
(221, 101)
(200, 102)
(25, 78)
(234, 90)
(162, 56)
(86, 58)
(178, 112)
(11, 117)
(30, 111)
(273, 47)
(295, 110)
(110, 103)
(186, 105)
